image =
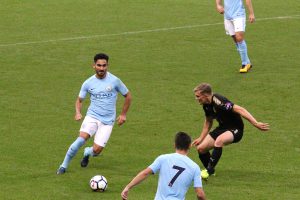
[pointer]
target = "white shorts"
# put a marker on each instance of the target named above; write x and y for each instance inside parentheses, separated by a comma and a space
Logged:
(95, 127)
(235, 25)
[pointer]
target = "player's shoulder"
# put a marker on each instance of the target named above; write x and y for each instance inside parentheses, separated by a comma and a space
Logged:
(162, 158)
(91, 78)
(112, 76)
(218, 98)
(166, 155)
(192, 163)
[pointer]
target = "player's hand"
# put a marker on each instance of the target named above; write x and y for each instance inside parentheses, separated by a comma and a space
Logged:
(196, 142)
(262, 126)
(251, 18)
(78, 116)
(124, 193)
(220, 9)
(121, 119)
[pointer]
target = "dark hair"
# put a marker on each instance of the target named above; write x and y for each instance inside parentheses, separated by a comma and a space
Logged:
(101, 56)
(182, 141)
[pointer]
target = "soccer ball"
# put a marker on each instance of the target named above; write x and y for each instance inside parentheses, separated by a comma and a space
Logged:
(98, 183)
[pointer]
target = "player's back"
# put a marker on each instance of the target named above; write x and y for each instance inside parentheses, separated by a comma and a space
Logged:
(177, 172)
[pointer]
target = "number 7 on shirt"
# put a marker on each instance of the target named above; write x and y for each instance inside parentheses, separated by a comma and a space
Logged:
(180, 170)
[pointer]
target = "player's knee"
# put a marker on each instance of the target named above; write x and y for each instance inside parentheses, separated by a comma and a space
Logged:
(219, 143)
(84, 135)
(239, 38)
(201, 149)
(97, 150)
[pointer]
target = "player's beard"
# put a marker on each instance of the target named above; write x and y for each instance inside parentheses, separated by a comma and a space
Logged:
(101, 73)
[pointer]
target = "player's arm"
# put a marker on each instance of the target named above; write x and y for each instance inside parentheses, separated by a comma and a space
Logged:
(78, 106)
(245, 114)
(219, 6)
(250, 10)
(200, 193)
(136, 180)
(208, 122)
(122, 117)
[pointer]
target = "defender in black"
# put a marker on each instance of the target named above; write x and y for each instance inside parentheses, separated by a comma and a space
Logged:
(230, 129)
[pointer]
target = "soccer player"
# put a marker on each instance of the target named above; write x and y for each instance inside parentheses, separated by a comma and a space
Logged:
(235, 24)
(176, 173)
(103, 88)
(230, 129)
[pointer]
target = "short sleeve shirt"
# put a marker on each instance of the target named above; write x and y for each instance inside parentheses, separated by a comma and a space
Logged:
(221, 109)
(176, 173)
(103, 96)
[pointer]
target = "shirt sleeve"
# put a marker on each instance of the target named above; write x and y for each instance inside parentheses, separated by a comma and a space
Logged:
(155, 166)
(83, 90)
(223, 103)
(121, 87)
(197, 178)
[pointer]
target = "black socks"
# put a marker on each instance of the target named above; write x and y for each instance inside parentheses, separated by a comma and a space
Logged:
(204, 158)
(215, 157)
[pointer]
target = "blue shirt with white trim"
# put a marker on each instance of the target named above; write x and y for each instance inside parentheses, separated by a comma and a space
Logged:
(103, 96)
(176, 174)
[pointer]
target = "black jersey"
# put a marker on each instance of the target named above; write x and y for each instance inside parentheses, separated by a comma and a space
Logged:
(221, 109)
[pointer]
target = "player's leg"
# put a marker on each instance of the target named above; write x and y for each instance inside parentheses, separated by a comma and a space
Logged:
(101, 138)
(236, 29)
(213, 135)
(229, 29)
(88, 128)
(222, 140)
(73, 149)
(239, 29)
(225, 138)
(203, 149)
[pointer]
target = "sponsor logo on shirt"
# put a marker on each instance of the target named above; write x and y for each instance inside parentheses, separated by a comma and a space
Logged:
(103, 95)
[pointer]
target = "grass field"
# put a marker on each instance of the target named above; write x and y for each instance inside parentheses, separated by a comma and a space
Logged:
(161, 50)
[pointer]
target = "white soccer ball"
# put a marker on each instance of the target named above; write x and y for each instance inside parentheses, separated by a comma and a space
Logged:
(98, 183)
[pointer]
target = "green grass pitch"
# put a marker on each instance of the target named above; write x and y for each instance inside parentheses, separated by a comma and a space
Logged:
(161, 49)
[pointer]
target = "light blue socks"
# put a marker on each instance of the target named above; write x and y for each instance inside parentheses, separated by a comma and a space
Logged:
(242, 49)
(72, 151)
(88, 151)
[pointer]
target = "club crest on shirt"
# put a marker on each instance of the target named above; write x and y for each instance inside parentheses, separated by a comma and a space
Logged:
(108, 88)
(228, 105)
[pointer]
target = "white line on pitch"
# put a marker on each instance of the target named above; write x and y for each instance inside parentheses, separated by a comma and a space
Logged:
(137, 32)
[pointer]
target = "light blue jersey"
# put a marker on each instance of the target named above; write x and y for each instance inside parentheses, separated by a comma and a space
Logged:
(176, 173)
(234, 9)
(103, 95)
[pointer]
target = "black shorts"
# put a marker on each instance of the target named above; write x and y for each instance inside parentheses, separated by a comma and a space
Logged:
(236, 132)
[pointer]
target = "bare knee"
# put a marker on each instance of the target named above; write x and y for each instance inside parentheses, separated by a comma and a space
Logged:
(219, 143)
(84, 135)
(202, 149)
(97, 149)
(239, 37)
